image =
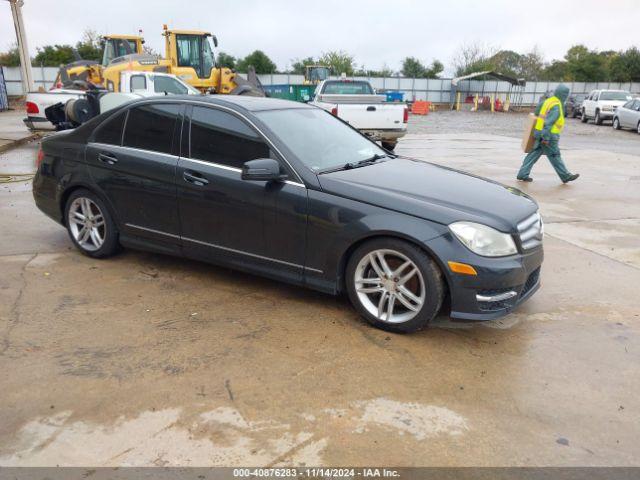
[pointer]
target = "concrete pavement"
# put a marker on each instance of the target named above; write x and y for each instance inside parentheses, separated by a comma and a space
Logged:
(144, 359)
(12, 131)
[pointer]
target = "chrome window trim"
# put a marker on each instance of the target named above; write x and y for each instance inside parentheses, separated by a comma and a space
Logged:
(227, 249)
(141, 150)
(232, 169)
(212, 164)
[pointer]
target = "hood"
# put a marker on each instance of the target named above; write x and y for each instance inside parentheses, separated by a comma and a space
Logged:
(562, 92)
(432, 192)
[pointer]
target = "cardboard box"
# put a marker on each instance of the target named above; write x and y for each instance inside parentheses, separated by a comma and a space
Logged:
(527, 137)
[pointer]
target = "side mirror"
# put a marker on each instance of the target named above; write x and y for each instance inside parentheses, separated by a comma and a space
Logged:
(262, 169)
(215, 40)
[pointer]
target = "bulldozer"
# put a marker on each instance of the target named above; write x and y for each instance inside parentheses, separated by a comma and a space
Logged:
(91, 72)
(188, 55)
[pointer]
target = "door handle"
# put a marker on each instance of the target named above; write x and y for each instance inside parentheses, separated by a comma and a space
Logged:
(194, 178)
(371, 109)
(108, 158)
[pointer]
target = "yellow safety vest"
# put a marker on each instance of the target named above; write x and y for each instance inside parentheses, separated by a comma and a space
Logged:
(548, 104)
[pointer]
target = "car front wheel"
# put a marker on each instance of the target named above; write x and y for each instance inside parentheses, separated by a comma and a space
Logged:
(616, 123)
(584, 118)
(598, 118)
(394, 285)
(638, 129)
(90, 225)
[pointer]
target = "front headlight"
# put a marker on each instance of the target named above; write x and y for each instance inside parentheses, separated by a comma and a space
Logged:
(483, 240)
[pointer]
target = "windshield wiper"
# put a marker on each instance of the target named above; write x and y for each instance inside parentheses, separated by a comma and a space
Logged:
(362, 163)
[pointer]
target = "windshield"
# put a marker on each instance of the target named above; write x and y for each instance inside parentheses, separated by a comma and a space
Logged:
(117, 47)
(195, 51)
(318, 139)
(347, 88)
(162, 84)
(615, 96)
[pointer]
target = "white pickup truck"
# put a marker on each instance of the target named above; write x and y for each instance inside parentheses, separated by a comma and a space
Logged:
(355, 102)
(132, 85)
(601, 104)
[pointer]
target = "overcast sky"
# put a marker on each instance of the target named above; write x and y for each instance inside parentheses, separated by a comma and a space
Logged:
(376, 32)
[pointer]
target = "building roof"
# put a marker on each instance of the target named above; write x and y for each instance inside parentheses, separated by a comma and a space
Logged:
(490, 73)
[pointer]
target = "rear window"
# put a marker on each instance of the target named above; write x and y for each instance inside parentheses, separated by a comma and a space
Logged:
(347, 88)
(150, 127)
(110, 132)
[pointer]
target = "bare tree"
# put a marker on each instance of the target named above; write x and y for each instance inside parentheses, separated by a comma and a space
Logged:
(472, 57)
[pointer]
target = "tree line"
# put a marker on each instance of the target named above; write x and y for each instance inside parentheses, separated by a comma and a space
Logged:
(579, 64)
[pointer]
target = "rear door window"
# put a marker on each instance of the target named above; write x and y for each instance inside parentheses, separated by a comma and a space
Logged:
(110, 132)
(222, 138)
(138, 82)
(151, 127)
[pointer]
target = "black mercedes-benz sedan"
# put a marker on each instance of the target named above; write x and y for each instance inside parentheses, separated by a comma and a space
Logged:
(288, 191)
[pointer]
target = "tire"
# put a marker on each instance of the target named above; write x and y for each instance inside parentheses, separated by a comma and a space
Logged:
(389, 145)
(598, 119)
(583, 117)
(415, 285)
(616, 123)
(101, 240)
(638, 128)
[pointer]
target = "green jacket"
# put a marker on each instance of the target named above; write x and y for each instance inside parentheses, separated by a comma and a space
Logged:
(562, 92)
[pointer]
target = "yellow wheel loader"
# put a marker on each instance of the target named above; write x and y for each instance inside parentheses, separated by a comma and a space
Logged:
(91, 72)
(189, 56)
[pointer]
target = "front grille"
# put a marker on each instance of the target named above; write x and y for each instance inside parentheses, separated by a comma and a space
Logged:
(531, 281)
(530, 232)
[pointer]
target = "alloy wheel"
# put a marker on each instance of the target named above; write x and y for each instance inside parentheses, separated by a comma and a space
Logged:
(86, 224)
(389, 286)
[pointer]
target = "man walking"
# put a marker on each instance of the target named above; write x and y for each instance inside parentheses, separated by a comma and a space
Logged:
(547, 134)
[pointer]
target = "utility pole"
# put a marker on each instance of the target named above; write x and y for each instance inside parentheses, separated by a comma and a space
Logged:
(23, 49)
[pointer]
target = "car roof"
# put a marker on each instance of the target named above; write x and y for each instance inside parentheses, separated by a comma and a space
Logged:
(239, 102)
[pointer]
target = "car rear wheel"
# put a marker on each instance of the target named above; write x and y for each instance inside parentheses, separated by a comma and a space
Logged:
(394, 285)
(583, 117)
(389, 145)
(598, 118)
(90, 225)
(616, 123)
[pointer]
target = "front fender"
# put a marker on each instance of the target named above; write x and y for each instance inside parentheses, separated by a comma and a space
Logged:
(337, 225)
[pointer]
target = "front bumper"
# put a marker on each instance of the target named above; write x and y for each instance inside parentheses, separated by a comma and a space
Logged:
(500, 285)
(606, 114)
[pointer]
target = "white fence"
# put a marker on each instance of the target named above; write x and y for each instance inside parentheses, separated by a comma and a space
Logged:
(434, 90)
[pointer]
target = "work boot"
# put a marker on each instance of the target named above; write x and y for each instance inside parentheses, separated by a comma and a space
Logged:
(525, 179)
(571, 178)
